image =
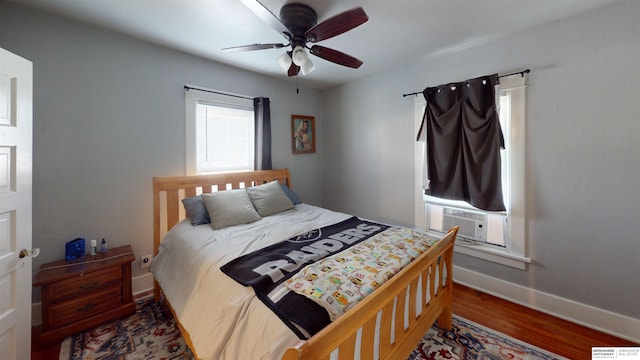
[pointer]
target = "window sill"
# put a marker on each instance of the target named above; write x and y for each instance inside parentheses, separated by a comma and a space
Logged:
(490, 253)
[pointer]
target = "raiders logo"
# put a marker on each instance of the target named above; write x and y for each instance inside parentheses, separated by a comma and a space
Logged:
(312, 235)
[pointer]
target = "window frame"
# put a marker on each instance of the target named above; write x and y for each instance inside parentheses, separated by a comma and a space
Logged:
(514, 253)
(193, 97)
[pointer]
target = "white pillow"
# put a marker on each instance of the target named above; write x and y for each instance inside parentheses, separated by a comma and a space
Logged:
(229, 207)
(269, 198)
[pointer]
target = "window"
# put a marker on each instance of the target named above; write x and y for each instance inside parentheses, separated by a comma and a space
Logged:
(219, 132)
(493, 236)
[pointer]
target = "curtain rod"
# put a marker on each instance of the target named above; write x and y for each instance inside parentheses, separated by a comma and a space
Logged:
(187, 87)
(525, 71)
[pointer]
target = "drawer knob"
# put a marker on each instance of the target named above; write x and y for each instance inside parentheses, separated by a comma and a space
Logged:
(88, 286)
(87, 307)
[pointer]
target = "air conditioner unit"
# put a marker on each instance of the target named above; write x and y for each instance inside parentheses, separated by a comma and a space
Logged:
(474, 225)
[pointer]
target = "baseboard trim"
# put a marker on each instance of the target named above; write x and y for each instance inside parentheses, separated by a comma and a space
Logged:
(141, 284)
(36, 314)
(605, 321)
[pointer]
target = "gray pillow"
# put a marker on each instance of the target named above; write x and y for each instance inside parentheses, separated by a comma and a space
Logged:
(196, 211)
(230, 207)
(290, 194)
(269, 198)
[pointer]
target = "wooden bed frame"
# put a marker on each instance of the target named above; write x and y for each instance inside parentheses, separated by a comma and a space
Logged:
(435, 264)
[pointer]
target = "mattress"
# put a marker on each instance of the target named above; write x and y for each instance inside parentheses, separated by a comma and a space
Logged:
(224, 319)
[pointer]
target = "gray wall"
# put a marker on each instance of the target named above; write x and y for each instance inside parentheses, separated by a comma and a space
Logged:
(109, 115)
(583, 151)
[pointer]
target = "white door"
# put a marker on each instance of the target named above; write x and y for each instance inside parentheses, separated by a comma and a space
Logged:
(15, 205)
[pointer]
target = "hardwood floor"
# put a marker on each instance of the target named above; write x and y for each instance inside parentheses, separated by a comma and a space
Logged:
(544, 331)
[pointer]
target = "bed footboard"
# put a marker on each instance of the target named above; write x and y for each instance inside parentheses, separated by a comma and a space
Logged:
(429, 274)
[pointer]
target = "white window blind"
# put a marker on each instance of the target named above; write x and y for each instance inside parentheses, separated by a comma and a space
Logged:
(225, 138)
(219, 132)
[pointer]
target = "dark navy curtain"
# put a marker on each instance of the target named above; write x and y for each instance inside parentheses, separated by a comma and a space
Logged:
(262, 112)
(464, 139)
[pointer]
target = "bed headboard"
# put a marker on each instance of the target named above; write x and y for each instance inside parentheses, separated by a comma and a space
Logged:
(168, 193)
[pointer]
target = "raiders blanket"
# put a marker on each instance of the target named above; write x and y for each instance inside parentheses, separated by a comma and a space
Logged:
(267, 269)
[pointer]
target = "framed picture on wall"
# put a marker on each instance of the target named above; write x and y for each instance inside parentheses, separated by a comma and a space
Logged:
(304, 134)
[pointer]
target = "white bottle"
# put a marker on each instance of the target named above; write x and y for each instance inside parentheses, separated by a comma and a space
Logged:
(94, 245)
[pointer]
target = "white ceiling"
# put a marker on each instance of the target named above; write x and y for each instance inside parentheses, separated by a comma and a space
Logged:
(398, 31)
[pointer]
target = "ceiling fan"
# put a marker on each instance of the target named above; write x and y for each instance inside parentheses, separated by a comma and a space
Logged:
(298, 23)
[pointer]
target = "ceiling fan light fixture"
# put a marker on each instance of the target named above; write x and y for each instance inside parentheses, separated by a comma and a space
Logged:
(307, 67)
(284, 61)
(299, 55)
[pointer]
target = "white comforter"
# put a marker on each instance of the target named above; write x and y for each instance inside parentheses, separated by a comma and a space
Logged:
(225, 320)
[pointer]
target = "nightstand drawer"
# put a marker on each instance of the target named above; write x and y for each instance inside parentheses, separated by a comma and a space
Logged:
(81, 294)
(71, 311)
(85, 284)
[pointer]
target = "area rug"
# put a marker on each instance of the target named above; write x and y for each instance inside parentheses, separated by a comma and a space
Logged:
(470, 341)
(151, 333)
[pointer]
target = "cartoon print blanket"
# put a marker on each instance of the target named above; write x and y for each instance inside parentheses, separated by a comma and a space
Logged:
(340, 281)
(267, 269)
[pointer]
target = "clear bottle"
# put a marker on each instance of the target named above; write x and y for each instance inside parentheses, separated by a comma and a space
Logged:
(103, 246)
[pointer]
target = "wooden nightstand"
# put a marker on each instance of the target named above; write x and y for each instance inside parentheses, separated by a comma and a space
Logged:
(81, 294)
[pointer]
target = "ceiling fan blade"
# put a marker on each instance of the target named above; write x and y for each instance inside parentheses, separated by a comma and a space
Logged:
(293, 70)
(253, 47)
(267, 16)
(335, 56)
(337, 25)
